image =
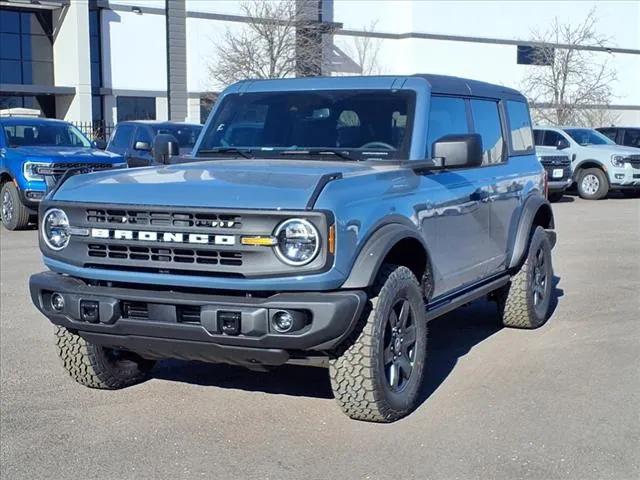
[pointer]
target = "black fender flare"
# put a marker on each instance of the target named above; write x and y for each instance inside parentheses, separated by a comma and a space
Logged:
(579, 166)
(530, 209)
(369, 260)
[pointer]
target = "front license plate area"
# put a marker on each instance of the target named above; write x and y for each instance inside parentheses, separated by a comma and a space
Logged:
(557, 173)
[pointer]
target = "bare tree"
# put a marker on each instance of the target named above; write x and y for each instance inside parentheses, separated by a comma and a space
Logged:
(278, 39)
(364, 51)
(567, 82)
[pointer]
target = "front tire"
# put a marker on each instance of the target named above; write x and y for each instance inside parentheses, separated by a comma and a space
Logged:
(525, 301)
(593, 184)
(377, 377)
(99, 367)
(15, 216)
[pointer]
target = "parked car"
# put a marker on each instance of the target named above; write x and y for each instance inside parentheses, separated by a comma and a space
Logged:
(134, 139)
(597, 163)
(363, 208)
(558, 169)
(627, 136)
(27, 146)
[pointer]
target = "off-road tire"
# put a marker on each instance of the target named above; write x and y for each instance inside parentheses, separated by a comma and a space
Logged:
(516, 301)
(555, 197)
(94, 366)
(603, 184)
(19, 214)
(358, 374)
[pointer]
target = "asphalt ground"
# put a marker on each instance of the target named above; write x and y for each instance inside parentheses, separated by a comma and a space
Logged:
(560, 402)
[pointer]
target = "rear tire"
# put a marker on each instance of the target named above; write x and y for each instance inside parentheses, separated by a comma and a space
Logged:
(525, 301)
(593, 184)
(98, 367)
(15, 216)
(377, 377)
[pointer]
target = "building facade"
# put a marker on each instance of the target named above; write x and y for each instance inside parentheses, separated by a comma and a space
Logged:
(112, 60)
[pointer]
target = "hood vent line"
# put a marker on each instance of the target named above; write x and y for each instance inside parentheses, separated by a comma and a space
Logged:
(322, 182)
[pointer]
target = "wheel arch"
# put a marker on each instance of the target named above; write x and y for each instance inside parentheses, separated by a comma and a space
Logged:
(392, 243)
(5, 177)
(588, 163)
(536, 211)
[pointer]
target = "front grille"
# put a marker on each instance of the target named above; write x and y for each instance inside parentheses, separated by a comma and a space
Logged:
(165, 254)
(634, 160)
(163, 219)
(164, 313)
(555, 160)
(57, 169)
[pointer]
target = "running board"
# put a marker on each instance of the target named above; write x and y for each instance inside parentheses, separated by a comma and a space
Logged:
(440, 307)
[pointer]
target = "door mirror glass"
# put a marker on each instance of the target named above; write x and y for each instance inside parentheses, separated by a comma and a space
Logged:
(458, 151)
(143, 146)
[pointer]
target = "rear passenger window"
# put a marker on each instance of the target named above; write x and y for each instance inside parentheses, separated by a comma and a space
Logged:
(520, 126)
(448, 116)
(486, 121)
(631, 138)
(551, 138)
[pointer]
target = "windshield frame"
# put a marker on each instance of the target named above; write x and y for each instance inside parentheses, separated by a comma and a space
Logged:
(72, 128)
(399, 155)
(597, 134)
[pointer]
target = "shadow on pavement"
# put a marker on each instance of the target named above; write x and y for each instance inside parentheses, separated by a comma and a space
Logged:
(450, 337)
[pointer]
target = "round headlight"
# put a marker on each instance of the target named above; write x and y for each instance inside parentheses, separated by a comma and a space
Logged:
(298, 241)
(55, 229)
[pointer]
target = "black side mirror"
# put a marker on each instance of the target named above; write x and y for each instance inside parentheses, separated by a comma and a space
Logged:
(457, 151)
(99, 144)
(562, 144)
(142, 146)
(165, 146)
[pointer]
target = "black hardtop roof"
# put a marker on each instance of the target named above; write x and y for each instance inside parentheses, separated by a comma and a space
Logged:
(447, 85)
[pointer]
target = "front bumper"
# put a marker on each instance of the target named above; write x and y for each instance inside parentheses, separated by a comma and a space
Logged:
(624, 177)
(166, 331)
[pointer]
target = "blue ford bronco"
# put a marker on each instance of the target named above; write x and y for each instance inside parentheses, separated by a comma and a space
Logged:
(319, 220)
(29, 146)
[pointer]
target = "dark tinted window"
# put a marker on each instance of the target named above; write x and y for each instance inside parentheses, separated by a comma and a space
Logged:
(143, 135)
(136, 108)
(609, 132)
(520, 126)
(45, 103)
(122, 136)
(550, 138)
(486, 121)
(9, 21)
(312, 119)
(631, 137)
(44, 135)
(586, 136)
(185, 134)
(447, 116)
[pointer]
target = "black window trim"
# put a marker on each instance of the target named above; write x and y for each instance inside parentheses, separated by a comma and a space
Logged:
(512, 151)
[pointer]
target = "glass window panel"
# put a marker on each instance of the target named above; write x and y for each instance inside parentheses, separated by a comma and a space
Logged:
(94, 49)
(486, 120)
(447, 116)
(9, 46)
(94, 23)
(632, 137)
(10, 101)
(96, 107)
(37, 73)
(9, 21)
(10, 71)
(37, 48)
(31, 24)
(95, 74)
(136, 108)
(122, 136)
(520, 126)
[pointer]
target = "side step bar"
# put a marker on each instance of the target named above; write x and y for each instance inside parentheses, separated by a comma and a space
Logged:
(440, 307)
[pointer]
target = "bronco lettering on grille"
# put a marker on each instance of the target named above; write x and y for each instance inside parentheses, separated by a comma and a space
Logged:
(166, 237)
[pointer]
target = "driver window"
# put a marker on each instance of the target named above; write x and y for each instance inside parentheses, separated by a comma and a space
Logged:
(447, 116)
(143, 135)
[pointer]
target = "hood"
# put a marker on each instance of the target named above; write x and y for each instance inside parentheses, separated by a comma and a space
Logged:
(255, 184)
(68, 155)
(615, 149)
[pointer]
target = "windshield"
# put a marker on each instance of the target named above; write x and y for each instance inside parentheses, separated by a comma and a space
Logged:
(353, 124)
(44, 135)
(185, 134)
(586, 136)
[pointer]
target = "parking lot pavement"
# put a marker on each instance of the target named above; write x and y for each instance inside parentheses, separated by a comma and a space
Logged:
(559, 402)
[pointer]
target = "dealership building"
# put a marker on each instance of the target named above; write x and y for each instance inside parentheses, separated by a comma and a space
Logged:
(113, 60)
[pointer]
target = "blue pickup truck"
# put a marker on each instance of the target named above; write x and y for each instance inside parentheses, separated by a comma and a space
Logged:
(322, 220)
(29, 146)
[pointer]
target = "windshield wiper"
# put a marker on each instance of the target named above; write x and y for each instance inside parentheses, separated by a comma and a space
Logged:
(243, 152)
(321, 151)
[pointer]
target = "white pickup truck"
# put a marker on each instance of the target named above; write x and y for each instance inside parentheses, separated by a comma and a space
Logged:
(597, 163)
